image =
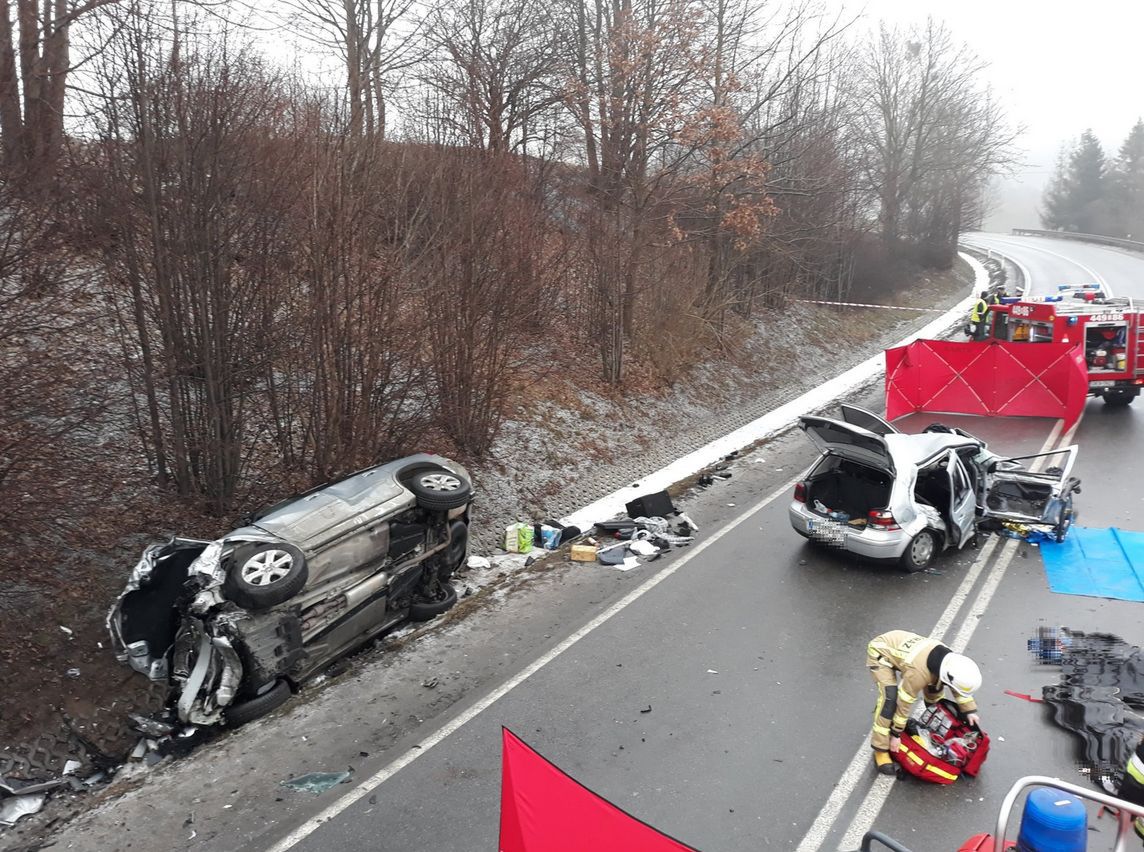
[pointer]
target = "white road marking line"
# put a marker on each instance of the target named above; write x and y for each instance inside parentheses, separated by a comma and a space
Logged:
(879, 792)
(1088, 270)
(859, 764)
(381, 776)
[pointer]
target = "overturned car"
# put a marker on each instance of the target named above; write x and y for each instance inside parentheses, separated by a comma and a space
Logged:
(886, 495)
(234, 624)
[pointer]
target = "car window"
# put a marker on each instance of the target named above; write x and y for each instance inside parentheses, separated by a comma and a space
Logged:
(961, 485)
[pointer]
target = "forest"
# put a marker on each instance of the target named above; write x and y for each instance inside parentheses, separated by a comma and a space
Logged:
(1091, 193)
(248, 249)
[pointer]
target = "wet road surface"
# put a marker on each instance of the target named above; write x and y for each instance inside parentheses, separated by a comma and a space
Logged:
(749, 652)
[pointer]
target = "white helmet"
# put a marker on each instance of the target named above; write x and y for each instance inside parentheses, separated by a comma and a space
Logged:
(960, 674)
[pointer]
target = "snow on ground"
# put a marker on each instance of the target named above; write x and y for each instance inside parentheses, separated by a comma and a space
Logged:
(554, 461)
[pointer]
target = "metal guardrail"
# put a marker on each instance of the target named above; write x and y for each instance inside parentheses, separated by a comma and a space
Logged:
(1084, 238)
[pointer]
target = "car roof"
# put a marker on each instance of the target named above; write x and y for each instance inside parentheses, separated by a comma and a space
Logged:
(906, 449)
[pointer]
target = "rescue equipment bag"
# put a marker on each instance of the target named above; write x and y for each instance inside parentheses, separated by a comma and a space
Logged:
(938, 746)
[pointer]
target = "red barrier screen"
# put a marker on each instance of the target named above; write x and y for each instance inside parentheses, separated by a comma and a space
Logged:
(544, 810)
(989, 377)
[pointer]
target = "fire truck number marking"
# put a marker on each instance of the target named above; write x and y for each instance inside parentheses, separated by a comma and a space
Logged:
(1106, 317)
(1022, 310)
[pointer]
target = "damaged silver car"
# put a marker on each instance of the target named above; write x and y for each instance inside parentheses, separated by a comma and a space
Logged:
(235, 624)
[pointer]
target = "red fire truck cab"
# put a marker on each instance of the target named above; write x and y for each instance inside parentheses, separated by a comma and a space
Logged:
(1111, 330)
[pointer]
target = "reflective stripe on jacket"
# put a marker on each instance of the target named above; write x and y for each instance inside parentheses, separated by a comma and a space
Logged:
(1132, 788)
(909, 655)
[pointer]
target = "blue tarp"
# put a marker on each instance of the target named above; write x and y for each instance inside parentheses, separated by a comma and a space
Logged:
(1100, 563)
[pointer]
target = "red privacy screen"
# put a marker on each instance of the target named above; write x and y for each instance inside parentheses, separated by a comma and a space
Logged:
(544, 810)
(990, 377)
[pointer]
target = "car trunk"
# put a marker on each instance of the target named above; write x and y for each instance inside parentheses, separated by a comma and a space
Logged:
(849, 487)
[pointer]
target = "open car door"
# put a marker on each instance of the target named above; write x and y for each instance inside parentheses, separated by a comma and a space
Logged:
(867, 420)
(963, 502)
(1013, 491)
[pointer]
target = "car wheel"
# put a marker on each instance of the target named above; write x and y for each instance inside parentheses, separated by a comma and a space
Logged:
(263, 575)
(259, 705)
(920, 551)
(423, 610)
(438, 489)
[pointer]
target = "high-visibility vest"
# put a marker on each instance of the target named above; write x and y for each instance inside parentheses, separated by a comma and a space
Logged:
(980, 308)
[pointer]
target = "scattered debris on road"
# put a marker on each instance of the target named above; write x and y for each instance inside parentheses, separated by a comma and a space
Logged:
(317, 782)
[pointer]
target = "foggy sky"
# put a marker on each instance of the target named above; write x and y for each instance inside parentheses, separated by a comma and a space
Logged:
(1058, 68)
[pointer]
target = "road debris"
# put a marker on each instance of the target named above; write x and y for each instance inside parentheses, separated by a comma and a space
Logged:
(317, 782)
(14, 808)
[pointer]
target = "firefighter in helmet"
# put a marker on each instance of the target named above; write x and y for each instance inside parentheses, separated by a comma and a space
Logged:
(977, 316)
(905, 666)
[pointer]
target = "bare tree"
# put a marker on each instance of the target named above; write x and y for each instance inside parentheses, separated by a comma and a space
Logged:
(198, 192)
(35, 60)
(494, 65)
(375, 40)
(921, 115)
(633, 81)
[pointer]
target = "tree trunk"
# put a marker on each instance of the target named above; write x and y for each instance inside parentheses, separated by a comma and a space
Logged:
(11, 119)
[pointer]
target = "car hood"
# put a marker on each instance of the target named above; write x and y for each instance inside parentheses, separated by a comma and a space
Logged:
(847, 440)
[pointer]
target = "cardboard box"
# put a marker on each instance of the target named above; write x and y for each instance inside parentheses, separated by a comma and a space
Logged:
(583, 553)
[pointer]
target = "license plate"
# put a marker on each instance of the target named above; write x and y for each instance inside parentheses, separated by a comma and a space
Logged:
(1102, 383)
(810, 526)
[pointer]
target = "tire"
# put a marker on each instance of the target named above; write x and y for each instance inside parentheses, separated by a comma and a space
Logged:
(259, 705)
(919, 553)
(1118, 399)
(263, 575)
(436, 488)
(425, 610)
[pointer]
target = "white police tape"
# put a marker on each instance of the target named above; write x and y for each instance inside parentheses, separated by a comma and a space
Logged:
(864, 305)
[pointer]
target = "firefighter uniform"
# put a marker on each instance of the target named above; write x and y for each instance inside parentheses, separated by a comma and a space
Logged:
(917, 661)
(1132, 787)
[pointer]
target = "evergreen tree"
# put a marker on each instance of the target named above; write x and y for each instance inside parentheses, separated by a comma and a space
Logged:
(1127, 185)
(1076, 199)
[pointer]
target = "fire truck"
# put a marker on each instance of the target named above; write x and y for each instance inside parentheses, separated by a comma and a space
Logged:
(1111, 330)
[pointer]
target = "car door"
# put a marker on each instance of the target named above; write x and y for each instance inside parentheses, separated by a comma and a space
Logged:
(867, 420)
(1017, 490)
(963, 501)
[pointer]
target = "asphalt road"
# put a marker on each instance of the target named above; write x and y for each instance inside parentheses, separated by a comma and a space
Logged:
(748, 648)
(1049, 263)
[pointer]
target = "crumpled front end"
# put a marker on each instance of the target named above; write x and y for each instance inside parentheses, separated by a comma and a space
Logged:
(172, 623)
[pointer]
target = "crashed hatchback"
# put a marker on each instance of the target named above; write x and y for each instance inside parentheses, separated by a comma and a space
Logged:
(885, 495)
(234, 624)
